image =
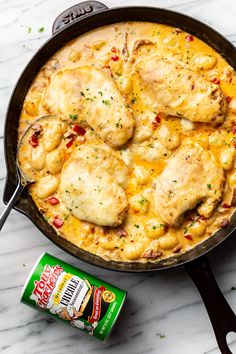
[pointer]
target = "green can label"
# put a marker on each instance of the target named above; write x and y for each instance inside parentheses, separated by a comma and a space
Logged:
(73, 296)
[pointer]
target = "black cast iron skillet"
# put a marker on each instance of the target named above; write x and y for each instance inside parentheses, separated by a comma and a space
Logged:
(70, 24)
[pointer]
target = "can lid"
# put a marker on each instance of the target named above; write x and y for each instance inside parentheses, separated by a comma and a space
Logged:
(30, 274)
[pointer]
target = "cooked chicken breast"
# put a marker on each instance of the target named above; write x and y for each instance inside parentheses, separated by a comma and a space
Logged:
(178, 91)
(88, 95)
(191, 178)
(91, 186)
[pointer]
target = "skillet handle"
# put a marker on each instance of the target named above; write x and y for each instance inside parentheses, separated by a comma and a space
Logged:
(76, 12)
(221, 315)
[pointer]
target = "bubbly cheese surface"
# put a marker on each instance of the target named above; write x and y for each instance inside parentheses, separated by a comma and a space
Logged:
(135, 157)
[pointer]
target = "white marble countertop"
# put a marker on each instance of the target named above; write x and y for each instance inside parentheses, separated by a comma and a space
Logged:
(164, 313)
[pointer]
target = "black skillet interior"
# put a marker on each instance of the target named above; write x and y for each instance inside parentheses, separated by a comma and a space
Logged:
(79, 26)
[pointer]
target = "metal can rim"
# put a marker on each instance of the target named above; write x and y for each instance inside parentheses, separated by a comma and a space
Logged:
(116, 318)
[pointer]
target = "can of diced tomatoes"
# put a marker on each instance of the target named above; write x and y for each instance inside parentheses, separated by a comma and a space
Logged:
(73, 296)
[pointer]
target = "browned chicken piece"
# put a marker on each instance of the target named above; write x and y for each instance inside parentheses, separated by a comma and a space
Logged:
(191, 178)
(178, 91)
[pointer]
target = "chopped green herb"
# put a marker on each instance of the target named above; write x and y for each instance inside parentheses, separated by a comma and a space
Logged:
(82, 94)
(208, 185)
(174, 180)
(73, 116)
(136, 225)
(106, 102)
(100, 93)
(118, 124)
(41, 29)
(29, 29)
(142, 200)
(233, 288)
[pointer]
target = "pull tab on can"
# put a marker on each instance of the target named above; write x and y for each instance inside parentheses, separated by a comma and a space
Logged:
(73, 296)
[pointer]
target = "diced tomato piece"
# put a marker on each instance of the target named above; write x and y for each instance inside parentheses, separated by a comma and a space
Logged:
(189, 38)
(189, 237)
(157, 119)
(154, 125)
(70, 143)
(228, 99)
(53, 200)
(79, 130)
(234, 130)
(225, 205)
(57, 222)
(115, 58)
(114, 50)
(215, 81)
(33, 140)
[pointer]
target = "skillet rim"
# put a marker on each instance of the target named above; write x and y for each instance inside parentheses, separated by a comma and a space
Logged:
(26, 201)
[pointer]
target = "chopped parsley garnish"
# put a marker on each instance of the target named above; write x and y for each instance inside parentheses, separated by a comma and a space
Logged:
(136, 225)
(29, 29)
(106, 102)
(142, 200)
(73, 116)
(41, 29)
(174, 180)
(82, 94)
(97, 189)
(118, 124)
(208, 185)
(100, 93)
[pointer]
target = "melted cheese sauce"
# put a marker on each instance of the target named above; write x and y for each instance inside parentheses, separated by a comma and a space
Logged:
(143, 236)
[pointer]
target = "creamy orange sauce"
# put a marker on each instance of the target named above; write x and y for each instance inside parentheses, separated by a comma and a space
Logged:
(143, 236)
